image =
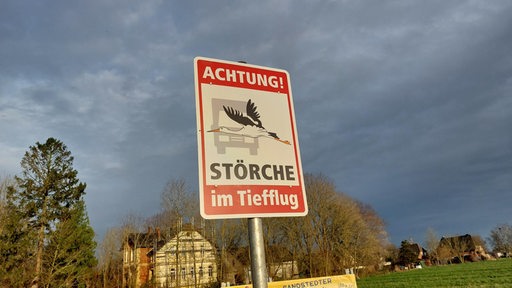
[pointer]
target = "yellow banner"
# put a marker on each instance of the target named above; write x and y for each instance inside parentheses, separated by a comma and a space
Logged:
(338, 281)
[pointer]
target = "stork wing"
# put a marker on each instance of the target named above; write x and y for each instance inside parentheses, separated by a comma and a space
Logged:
(251, 111)
(237, 116)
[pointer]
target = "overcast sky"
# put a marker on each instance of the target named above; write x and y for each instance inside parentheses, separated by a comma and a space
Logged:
(404, 105)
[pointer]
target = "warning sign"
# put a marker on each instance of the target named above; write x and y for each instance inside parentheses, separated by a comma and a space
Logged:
(338, 281)
(248, 150)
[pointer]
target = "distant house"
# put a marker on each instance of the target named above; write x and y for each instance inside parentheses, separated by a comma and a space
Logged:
(283, 270)
(136, 262)
(281, 263)
(186, 260)
(460, 249)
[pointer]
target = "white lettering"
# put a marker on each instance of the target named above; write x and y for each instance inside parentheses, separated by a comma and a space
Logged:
(208, 73)
(270, 197)
(239, 76)
(224, 200)
(217, 74)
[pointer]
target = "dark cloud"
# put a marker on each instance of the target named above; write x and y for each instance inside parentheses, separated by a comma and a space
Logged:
(404, 105)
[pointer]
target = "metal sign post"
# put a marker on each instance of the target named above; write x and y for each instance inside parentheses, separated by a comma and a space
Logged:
(257, 247)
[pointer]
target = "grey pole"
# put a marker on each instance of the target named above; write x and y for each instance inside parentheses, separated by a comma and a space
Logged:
(257, 251)
(257, 248)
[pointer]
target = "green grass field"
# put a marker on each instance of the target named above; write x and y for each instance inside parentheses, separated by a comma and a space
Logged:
(477, 274)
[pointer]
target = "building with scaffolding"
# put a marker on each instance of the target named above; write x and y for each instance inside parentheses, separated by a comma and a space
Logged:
(185, 260)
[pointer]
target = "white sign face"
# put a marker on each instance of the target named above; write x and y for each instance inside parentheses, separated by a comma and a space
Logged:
(248, 152)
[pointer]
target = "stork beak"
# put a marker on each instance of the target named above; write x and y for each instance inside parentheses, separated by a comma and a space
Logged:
(214, 130)
(283, 141)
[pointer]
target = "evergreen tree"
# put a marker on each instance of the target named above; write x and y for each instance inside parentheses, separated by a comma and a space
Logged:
(16, 248)
(47, 195)
(70, 248)
(408, 254)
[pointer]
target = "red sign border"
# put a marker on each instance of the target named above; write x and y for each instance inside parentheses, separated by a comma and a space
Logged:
(209, 212)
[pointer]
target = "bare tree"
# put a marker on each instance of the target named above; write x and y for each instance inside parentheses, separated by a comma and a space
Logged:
(373, 239)
(479, 241)
(431, 243)
(179, 204)
(337, 233)
(278, 253)
(317, 229)
(4, 183)
(501, 239)
(111, 258)
(231, 238)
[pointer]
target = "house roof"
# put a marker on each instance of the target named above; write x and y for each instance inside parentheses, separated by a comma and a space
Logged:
(145, 240)
(187, 234)
(463, 241)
